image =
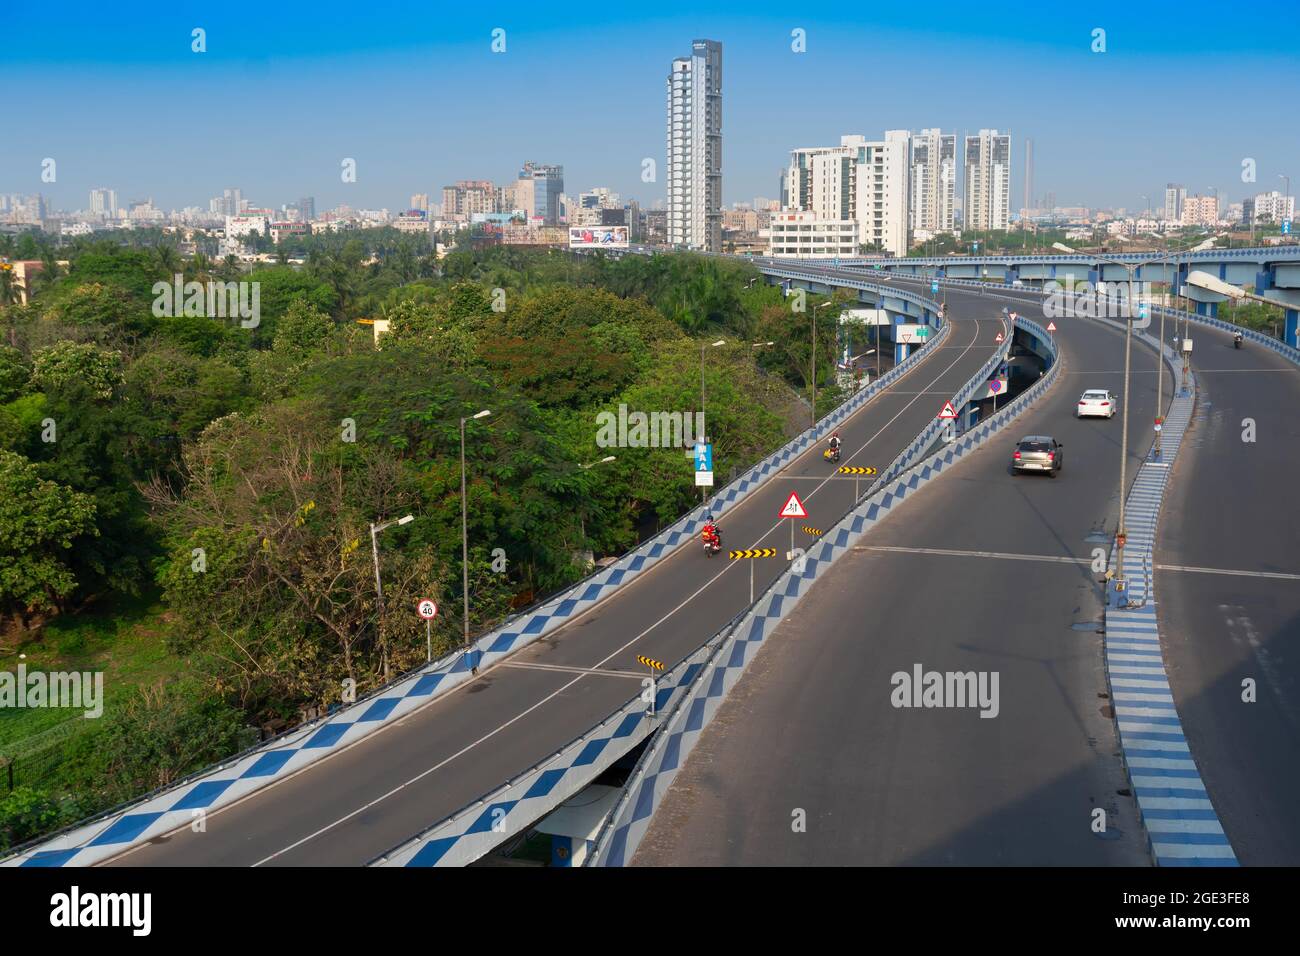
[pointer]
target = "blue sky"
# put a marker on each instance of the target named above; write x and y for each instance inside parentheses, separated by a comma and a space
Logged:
(113, 93)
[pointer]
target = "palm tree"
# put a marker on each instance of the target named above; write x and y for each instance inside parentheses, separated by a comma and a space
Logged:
(50, 271)
(11, 287)
(167, 260)
(200, 268)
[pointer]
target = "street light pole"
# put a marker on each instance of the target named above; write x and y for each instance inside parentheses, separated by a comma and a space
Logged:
(379, 590)
(703, 431)
(814, 359)
(464, 537)
(379, 584)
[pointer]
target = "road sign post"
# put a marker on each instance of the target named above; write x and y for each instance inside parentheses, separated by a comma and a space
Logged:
(654, 666)
(793, 509)
(749, 553)
(428, 609)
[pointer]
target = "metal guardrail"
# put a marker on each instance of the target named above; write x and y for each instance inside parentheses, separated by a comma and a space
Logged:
(483, 823)
(627, 822)
(461, 838)
(1280, 253)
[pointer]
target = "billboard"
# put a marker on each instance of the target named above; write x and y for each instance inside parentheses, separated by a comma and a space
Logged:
(598, 237)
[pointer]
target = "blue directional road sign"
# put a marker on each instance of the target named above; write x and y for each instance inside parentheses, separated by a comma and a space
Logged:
(704, 465)
(934, 285)
(1286, 227)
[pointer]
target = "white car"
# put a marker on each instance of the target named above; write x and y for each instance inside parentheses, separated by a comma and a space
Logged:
(1096, 403)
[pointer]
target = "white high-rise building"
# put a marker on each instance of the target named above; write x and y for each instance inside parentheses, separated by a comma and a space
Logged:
(1175, 198)
(988, 181)
(103, 203)
(933, 181)
(861, 184)
(695, 148)
(1274, 207)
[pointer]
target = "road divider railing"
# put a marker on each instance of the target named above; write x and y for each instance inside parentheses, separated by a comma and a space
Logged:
(685, 722)
(495, 818)
(1181, 825)
(505, 813)
(921, 445)
(160, 812)
(1035, 295)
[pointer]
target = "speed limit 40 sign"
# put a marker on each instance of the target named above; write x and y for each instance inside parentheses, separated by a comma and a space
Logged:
(428, 609)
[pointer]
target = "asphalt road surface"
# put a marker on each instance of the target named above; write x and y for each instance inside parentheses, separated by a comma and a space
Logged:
(809, 761)
(350, 807)
(1232, 507)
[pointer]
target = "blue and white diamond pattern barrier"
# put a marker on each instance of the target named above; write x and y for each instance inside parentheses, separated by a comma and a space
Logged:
(496, 817)
(630, 819)
(162, 812)
(1181, 824)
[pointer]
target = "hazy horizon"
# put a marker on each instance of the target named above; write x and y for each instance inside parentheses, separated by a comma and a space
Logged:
(283, 95)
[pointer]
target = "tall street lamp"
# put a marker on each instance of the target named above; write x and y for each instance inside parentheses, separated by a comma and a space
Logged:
(703, 431)
(1121, 535)
(1203, 280)
(379, 584)
(464, 534)
(814, 357)
(582, 512)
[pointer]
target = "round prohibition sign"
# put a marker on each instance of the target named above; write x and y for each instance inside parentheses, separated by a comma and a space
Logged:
(427, 608)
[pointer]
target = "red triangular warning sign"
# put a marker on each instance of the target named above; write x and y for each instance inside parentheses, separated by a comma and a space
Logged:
(998, 340)
(1051, 326)
(948, 411)
(794, 507)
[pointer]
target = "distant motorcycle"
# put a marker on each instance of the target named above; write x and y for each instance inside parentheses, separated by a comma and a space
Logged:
(1236, 341)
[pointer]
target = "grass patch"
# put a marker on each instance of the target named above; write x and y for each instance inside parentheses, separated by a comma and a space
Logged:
(123, 640)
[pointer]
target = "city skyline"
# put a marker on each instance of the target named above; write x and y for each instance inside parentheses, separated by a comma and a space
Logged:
(602, 129)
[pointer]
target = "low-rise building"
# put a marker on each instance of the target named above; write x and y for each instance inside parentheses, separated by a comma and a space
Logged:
(800, 234)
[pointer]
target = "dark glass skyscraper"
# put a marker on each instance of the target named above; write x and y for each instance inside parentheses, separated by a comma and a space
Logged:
(548, 183)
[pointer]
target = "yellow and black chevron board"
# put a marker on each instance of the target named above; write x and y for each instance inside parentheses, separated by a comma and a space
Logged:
(855, 470)
(752, 553)
(651, 663)
(815, 532)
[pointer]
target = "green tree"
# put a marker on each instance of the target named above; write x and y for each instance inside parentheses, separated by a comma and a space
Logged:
(39, 521)
(14, 373)
(72, 362)
(166, 731)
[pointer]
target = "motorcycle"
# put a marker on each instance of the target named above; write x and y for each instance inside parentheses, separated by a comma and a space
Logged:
(1236, 341)
(712, 544)
(832, 455)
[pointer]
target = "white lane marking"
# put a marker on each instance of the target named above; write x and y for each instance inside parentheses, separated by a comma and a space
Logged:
(1241, 623)
(1275, 575)
(613, 654)
(564, 669)
(1003, 555)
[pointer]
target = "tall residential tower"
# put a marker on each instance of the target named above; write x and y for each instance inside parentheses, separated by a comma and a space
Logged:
(988, 180)
(695, 148)
(934, 181)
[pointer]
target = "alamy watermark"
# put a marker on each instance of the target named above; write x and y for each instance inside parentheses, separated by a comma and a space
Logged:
(63, 689)
(922, 688)
(649, 430)
(1105, 300)
(215, 300)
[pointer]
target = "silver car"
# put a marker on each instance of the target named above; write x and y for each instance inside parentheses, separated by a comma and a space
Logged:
(1037, 453)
